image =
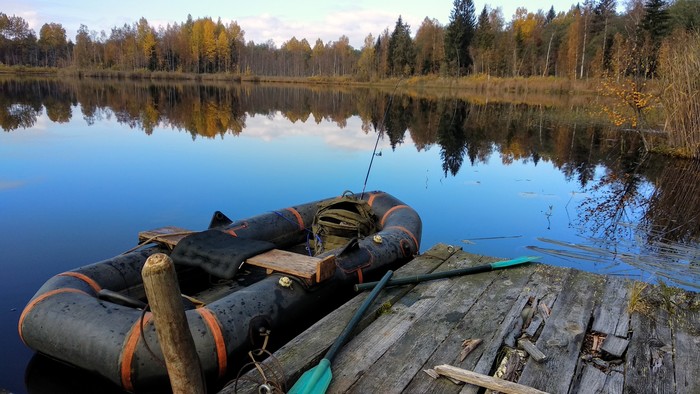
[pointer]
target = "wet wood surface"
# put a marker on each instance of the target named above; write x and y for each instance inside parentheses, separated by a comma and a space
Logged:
(312, 269)
(652, 333)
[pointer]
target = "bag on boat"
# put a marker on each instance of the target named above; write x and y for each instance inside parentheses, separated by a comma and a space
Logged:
(340, 220)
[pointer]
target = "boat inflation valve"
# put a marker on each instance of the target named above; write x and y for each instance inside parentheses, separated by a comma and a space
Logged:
(377, 239)
(285, 282)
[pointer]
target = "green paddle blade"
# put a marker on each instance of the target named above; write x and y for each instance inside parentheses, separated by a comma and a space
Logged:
(315, 380)
(510, 263)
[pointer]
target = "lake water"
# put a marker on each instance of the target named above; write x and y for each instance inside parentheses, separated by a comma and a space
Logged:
(86, 165)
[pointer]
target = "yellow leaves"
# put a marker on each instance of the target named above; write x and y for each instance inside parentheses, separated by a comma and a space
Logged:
(524, 22)
(625, 102)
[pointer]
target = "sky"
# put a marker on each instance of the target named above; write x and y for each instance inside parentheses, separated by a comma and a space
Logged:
(278, 20)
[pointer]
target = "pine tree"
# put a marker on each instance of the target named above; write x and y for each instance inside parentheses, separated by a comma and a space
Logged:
(484, 37)
(459, 35)
(655, 26)
(603, 13)
(685, 14)
(402, 54)
(551, 15)
(656, 19)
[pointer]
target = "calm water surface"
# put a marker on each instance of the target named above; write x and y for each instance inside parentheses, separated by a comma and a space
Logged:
(86, 165)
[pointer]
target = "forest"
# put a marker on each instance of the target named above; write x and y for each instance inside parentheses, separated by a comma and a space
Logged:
(651, 40)
(588, 40)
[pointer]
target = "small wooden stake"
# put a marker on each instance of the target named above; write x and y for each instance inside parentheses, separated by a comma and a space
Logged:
(532, 350)
(467, 346)
(615, 345)
(486, 381)
(163, 293)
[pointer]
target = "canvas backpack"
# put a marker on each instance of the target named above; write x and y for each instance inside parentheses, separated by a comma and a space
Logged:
(340, 220)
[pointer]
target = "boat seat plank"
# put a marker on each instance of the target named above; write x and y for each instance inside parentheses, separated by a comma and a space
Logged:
(168, 236)
(312, 269)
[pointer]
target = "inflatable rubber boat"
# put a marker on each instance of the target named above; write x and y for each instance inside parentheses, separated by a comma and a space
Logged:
(244, 282)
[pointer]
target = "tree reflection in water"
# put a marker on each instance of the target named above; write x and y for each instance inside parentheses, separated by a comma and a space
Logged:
(641, 209)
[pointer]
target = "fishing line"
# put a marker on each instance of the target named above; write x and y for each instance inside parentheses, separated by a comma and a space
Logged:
(379, 134)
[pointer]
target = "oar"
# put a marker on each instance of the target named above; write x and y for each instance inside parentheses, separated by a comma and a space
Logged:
(317, 379)
(447, 274)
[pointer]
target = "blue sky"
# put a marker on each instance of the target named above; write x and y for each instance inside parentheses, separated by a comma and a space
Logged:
(278, 20)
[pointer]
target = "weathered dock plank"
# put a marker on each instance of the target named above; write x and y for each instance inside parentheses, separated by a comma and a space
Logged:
(382, 334)
(649, 367)
(562, 336)
(600, 334)
(393, 370)
(610, 316)
(596, 381)
(687, 346)
(543, 284)
(503, 291)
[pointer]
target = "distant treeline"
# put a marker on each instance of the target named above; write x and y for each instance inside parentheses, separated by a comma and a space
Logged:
(589, 40)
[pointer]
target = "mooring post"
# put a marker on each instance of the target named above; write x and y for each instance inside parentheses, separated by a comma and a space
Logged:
(163, 293)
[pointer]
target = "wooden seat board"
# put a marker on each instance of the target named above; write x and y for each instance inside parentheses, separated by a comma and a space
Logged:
(313, 269)
(169, 235)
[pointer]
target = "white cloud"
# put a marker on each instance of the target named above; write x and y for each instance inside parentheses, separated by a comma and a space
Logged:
(8, 185)
(356, 25)
(351, 138)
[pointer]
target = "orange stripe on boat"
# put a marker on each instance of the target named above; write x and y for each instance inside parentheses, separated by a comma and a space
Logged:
(127, 356)
(215, 328)
(91, 282)
(410, 234)
(232, 230)
(37, 300)
(370, 201)
(359, 276)
(300, 220)
(389, 212)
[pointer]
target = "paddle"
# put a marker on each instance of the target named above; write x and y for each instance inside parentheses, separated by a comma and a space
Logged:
(447, 274)
(317, 379)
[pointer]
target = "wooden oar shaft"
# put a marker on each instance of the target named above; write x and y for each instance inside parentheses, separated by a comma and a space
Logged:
(317, 379)
(447, 274)
(425, 277)
(358, 315)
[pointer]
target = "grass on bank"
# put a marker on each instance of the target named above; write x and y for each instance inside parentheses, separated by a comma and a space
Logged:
(478, 82)
(680, 70)
(29, 71)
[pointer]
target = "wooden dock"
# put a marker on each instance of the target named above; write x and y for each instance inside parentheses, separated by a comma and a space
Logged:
(598, 334)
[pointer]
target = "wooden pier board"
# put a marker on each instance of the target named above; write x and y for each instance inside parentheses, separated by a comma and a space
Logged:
(652, 333)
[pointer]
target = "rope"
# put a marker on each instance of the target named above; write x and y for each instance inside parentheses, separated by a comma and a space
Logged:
(272, 377)
(143, 337)
(379, 134)
(309, 233)
(155, 238)
(150, 351)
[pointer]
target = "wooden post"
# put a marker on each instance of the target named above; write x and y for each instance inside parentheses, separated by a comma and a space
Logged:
(163, 293)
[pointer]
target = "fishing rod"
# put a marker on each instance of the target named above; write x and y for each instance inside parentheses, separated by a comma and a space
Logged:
(379, 134)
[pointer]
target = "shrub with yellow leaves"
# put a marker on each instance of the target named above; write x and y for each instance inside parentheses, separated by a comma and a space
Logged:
(626, 103)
